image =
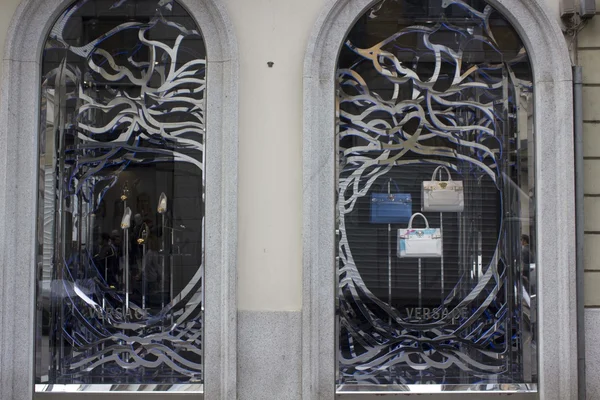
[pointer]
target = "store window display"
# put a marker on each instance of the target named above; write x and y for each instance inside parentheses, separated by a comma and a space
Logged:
(436, 184)
(122, 198)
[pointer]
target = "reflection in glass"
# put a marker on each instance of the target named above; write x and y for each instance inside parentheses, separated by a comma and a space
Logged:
(121, 196)
(424, 85)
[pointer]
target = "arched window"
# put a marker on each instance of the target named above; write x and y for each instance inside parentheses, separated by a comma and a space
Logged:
(121, 208)
(436, 186)
(131, 175)
(438, 213)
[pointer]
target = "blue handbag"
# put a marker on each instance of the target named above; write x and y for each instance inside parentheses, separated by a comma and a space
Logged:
(391, 208)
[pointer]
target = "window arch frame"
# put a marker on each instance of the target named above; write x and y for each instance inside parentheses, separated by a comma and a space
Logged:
(19, 127)
(553, 102)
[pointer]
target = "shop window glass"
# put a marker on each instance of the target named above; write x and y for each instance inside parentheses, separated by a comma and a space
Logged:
(120, 262)
(436, 209)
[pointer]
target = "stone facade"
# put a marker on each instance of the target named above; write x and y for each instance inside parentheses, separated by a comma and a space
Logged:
(276, 320)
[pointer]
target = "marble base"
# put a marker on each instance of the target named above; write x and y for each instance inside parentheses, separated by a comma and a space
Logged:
(269, 355)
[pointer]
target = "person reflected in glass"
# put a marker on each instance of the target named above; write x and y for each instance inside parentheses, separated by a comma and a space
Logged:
(143, 205)
(107, 260)
(525, 251)
(526, 257)
(153, 270)
(117, 242)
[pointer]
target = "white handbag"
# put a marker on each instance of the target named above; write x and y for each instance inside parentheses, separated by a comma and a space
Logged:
(442, 196)
(419, 242)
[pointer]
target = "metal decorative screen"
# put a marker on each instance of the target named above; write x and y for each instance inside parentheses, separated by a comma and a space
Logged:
(121, 199)
(436, 209)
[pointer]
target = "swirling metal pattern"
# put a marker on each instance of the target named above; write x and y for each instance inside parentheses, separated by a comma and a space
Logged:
(109, 111)
(395, 113)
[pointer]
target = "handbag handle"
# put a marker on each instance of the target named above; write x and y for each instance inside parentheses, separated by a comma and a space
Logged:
(439, 169)
(391, 181)
(413, 217)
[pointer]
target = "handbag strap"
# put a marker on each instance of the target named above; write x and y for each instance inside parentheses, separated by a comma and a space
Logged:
(439, 169)
(413, 217)
(390, 180)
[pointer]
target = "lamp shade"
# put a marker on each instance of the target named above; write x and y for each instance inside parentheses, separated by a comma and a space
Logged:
(162, 203)
(126, 221)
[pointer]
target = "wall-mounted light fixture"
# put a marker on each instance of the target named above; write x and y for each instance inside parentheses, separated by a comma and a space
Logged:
(587, 8)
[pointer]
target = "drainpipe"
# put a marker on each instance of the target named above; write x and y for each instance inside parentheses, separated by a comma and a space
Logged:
(578, 140)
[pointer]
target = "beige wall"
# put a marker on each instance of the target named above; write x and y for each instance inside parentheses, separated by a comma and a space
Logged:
(270, 180)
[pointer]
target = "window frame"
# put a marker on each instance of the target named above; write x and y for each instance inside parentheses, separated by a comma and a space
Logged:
(553, 102)
(19, 127)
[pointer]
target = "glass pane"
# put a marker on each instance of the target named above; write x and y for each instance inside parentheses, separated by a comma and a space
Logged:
(436, 208)
(121, 196)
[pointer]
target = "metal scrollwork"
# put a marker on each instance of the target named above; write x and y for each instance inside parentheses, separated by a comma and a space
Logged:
(109, 107)
(440, 90)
